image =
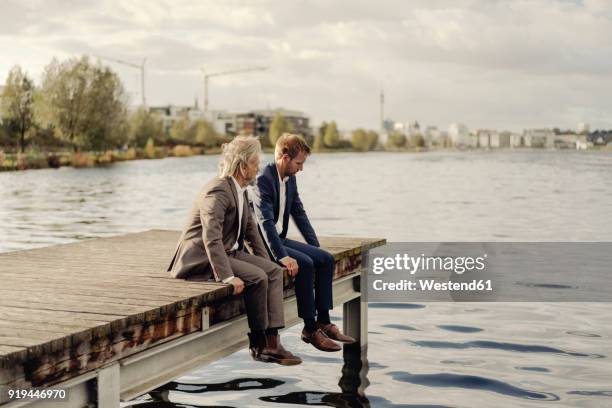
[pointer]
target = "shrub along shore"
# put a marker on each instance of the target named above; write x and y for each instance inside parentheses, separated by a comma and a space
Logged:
(43, 160)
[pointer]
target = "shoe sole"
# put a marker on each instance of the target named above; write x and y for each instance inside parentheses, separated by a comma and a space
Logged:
(344, 342)
(305, 340)
(281, 361)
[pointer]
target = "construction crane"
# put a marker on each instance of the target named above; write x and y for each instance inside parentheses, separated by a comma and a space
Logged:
(141, 67)
(222, 73)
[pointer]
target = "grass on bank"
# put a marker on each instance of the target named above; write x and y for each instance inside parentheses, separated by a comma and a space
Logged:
(34, 159)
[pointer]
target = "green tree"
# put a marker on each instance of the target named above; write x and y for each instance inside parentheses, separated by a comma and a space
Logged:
(85, 103)
(372, 140)
(17, 104)
(206, 134)
(396, 139)
(142, 126)
(363, 140)
(318, 143)
(150, 149)
(183, 131)
(278, 126)
(331, 137)
(417, 141)
(105, 123)
(5, 139)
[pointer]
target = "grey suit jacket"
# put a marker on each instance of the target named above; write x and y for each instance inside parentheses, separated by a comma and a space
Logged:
(212, 230)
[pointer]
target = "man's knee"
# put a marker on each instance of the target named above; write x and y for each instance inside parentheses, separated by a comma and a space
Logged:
(329, 260)
(306, 264)
(276, 273)
(260, 279)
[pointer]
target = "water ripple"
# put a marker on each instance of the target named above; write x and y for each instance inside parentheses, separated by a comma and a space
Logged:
(400, 327)
(460, 329)
(383, 305)
(521, 348)
(592, 393)
(238, 384)
(471, 382)
(536, 369)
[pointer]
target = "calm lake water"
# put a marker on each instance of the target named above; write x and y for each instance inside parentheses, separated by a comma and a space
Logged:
(420, 355)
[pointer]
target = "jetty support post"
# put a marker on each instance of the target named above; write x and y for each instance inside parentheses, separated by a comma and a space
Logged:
(355, 311)
(108, 387)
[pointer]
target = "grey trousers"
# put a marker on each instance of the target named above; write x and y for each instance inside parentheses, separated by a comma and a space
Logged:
(263, 289)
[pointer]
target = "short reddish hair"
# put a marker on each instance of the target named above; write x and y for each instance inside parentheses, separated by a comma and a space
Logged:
(291, 144)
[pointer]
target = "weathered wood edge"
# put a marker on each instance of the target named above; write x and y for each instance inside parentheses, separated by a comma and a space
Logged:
(23, 354)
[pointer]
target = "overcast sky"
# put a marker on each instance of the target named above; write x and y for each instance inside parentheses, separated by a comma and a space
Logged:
(500, 64)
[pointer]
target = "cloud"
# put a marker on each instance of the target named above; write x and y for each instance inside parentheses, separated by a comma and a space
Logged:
(509, 64)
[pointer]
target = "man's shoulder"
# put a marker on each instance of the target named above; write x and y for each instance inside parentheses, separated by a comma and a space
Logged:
(267, 175)
(268, 170)
(215, 185)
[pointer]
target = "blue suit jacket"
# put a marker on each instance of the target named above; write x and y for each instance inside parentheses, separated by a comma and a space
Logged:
(266, 203)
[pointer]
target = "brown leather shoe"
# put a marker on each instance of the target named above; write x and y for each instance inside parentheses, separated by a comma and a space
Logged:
(274, 352)
(320, 340)
(333, 332)
(257, 342)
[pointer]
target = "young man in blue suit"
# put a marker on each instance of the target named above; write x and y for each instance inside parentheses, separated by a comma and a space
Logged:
(275, 199)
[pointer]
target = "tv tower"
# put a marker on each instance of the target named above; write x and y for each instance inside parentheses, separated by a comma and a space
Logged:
(382, 110)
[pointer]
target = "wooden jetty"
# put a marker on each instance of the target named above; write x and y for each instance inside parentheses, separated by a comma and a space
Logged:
(102, 319)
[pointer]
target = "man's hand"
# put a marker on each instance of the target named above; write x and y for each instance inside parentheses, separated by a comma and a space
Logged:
(291, 265)
(238, 285)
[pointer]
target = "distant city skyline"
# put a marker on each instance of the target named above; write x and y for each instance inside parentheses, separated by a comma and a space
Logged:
(503, 65)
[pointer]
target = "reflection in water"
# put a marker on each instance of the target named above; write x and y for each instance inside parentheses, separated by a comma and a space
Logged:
(400, 327)
(385, 403)
(329, 399)
(521, 348)
(383, 305)
(536, 369)
(167, 404)
(459, 329)
(471, 382)
(545, 285)
(582, 333)
(240, 384)
(353, 383)
(592, 393)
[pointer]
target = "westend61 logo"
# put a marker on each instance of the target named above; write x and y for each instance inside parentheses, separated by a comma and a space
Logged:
(412, 264)
(429, 273)
(490, 272)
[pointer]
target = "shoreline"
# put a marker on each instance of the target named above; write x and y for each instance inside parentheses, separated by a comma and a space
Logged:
(37, 160)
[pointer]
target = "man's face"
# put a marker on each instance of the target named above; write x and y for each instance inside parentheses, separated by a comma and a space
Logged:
(296, 164)
(251, 171)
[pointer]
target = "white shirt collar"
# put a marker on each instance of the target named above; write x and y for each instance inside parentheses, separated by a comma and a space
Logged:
(284, 179)
(239, 189)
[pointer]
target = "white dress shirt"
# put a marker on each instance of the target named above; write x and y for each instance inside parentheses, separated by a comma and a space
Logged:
(240, 191)
(282, 195)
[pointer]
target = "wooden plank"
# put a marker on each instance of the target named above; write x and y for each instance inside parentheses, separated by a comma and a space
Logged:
(59, 297)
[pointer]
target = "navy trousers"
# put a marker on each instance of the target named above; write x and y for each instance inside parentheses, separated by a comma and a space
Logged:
(316, 269)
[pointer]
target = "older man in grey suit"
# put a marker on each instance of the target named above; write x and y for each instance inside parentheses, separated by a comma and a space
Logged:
(212, 246)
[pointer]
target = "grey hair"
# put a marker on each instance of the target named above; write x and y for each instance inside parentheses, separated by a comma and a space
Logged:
(242, 149)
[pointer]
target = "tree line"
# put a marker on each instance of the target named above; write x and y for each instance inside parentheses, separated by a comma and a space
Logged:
(82, 105)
